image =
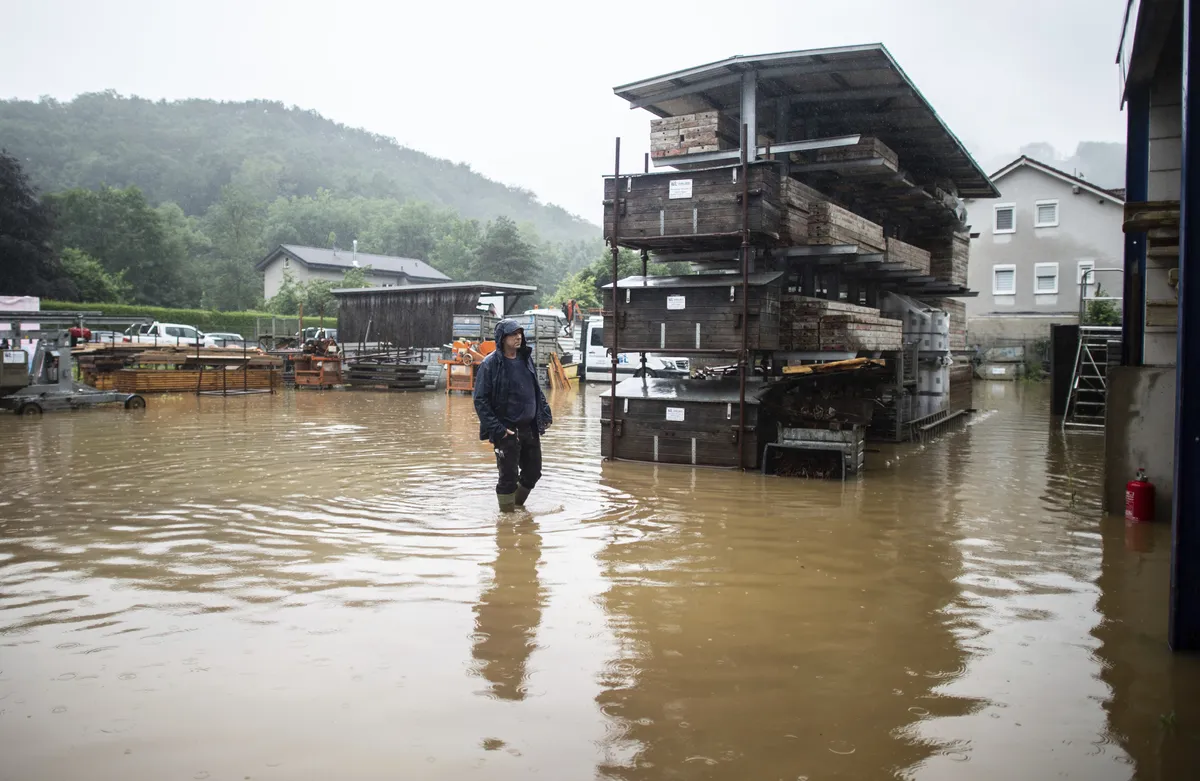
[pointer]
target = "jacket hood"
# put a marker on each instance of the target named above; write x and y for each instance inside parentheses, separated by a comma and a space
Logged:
(508, 327)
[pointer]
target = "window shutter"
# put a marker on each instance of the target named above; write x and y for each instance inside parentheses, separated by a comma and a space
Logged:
(1046, 283)
(1084, 268)
(1004, 219)
(1005, 280)
(1047, 213)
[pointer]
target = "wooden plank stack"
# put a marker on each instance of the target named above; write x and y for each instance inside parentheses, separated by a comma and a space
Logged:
(814, 324)
(192, 380)
(949, 255)
(831, 224)
(961, 395)
(387, 376)
(797, 200)
(660, 207)
(688, 316)
(912, 257)
(866, 149)
(705, 131)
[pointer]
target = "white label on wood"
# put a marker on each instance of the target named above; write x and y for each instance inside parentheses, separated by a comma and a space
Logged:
(679, 188)
(999, 370)
(626, 405)
(676, 302)
(14, 356)
(675, 414)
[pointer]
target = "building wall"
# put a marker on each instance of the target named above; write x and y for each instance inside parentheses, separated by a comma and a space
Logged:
(1140, 432)
(1089, 229)
(1166, 159)
(273, 275)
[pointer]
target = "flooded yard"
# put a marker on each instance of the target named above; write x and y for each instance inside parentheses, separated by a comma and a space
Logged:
(319, 586)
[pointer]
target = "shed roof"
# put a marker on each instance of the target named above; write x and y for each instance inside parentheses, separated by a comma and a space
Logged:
(697, 280)
(342, 260)
(849, 90)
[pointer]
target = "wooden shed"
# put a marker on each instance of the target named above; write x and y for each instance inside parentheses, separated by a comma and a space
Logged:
(694, 312)
(680, 421)
(414, 315)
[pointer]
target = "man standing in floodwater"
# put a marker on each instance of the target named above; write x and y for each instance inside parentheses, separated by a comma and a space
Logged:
(513, 414)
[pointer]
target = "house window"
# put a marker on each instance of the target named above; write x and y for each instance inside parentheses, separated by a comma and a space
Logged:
(1084, 267)
(1045, 214)
(1006, 218)
(1045, 279)
(1004, 280)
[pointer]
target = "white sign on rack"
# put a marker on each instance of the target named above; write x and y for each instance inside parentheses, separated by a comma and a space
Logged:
(679, 188)
(14, 356)
(999, 370)
(675, 414)
(676, 302)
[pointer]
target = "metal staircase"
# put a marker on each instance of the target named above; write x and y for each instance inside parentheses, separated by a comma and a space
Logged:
(1089, 381)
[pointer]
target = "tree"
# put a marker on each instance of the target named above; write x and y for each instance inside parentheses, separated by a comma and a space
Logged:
(234, 224)
(1102, 312)
(504, 256)
(92, 282)
(119, 229)
(26, 231)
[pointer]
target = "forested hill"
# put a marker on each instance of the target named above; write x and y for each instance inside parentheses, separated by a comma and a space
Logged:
(185, 151)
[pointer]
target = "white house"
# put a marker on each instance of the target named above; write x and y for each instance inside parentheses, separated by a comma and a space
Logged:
(1034, 246)
(305, 263)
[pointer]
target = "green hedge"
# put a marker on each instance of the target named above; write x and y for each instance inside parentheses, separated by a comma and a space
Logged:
(206, 320)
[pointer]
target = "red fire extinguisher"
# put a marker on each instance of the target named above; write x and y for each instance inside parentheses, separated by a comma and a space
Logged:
(1139, 499)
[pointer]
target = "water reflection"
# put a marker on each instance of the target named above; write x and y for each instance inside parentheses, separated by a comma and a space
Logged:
(510, 609)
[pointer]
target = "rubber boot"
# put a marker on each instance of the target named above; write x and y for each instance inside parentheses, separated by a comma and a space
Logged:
(508, 502)
(522, 494)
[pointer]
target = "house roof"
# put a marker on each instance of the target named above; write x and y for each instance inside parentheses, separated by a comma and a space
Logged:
(850, 90)
(1029, 162)
(484, 288)
(341, 260)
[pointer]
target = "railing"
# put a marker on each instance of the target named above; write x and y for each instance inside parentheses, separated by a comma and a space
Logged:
(1086, 281)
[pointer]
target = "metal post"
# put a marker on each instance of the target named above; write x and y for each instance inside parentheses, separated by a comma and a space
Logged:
(1137, 189)
(645, 271)
(616, 328)
(750, 112)
(1183, 631)
(743, 357)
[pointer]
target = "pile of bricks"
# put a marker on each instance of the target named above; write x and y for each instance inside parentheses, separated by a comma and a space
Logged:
(912, 257)
(949, 256)
(706, 131)
(811, 324)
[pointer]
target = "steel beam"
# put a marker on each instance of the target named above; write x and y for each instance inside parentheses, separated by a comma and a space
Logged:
(735, 154)
(1137, 189)
(1183, 632)
(749, 113)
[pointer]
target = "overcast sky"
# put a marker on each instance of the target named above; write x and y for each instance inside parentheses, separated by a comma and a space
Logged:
(522, 89)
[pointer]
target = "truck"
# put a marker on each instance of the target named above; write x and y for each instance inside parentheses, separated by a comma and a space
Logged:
(596, 359)
(165, 334)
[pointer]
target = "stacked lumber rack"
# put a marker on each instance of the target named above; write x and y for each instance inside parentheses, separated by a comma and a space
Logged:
(380, 374)
(728, 222)
(851, 190)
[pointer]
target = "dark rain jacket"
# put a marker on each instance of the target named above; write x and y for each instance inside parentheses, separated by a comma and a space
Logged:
(491, 387)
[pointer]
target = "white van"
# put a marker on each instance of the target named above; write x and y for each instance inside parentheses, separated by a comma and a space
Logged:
(596, 363)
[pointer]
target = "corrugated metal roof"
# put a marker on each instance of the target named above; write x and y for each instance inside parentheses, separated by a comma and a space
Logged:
(343, 259)
(484, 288)
(848, 90)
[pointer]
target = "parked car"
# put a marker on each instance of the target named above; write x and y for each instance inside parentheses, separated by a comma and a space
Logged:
(167, 333)
(223, 339)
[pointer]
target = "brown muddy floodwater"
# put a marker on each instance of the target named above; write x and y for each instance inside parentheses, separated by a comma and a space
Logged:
(318, 586)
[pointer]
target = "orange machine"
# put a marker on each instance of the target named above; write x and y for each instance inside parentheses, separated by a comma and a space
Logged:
(465, 357)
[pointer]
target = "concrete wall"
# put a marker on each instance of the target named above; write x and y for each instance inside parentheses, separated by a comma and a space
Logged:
(273, 275)
(987, 330)
(1140, 431)
(1089, 229)
(1166, 159)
